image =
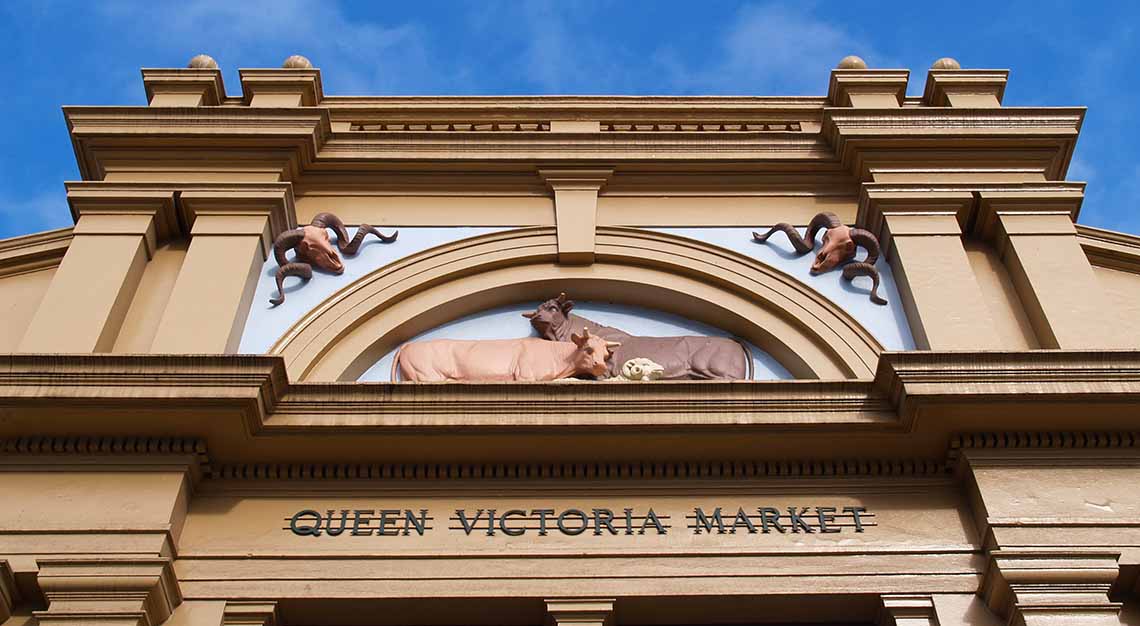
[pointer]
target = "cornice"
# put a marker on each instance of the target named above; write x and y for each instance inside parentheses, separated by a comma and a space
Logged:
(34, 252)
(1106, 248)
(242, 407)
(1012, 137)
(199, 133)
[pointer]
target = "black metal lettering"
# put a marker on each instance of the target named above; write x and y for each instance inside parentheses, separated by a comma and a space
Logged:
(313, 530)
(343, 521)
(703, 520)
(651, 518)
(386, 519)
(768, 515)
(420, 523)
(797, 521)
(604, 517)
(358, 516)
(468, 526)
(826, 515)
(742, 517)
(542, 513)
(855, 511)
(629, 521)
(490, 522)
(575, 513)
(513, 532)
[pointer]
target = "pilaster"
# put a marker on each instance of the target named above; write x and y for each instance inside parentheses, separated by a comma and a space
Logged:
(282, 88)
(922, 240)
(9, 595)
(188, 87)
(1034, 588)
(230, 237)
(107, 591)
(250, 613)
(576, 211)
(116, 231)
(867, 89)
(1032, 229)
(580, 612)
(965, 88)
(907, 610)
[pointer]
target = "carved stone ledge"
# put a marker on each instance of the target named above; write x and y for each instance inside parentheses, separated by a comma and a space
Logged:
(33, 252)
(1031, 588)
(284, 87)
(907, 610)
(107, 591)
(580, 612)
(250, 613)
(184, 87)
(863, 88)
(965, 88)
(1106, 248)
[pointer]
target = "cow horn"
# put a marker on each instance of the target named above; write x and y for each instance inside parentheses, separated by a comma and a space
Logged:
(869, 242)
(286, 241)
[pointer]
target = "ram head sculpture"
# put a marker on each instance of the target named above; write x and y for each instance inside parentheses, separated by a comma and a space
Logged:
(312, 246)
(840, 243)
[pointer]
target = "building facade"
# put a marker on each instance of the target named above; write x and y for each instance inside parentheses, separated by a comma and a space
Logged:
(959, 449)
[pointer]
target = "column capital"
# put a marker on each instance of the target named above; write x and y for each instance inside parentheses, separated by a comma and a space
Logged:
(124, 209)
(888, 210)
(907, 610)
(9, 594)
(1028, 209)
(284, 87)
(1028, 586)
(189, 87)
(141, 591)
(965, 88)
(575, 179)
(580, 611)
(861, 89)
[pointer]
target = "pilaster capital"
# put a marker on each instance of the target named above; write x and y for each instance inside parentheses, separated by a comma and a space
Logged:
(183, 86)
(580, 611)
(141, 591)
(9, 594)
(892, 210)
(965, 88)
(284, 87)
(575, 179)
(250, 613)
(124, 209)
(907, 610)
(262, 209)
(867, 88)
(1026, 586)
(1027, 209)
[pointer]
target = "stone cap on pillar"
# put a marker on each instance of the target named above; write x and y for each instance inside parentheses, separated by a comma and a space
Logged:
(280, 87)
(1068, 581)
(124, 208)
(925, 210)
(863, 88)
(190, 86)
(264, 209)
(965, 88)
(9, 593)
(580, 611)
(1025, 209)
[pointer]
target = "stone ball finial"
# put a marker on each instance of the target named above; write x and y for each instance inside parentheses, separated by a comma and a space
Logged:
(297, 62)
(851, 62)
(203, 62)
(946, 63)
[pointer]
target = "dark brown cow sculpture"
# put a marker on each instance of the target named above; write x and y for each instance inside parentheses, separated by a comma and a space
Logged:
(684, 358)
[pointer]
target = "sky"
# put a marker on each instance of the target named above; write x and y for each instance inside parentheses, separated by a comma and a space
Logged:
(89, 53)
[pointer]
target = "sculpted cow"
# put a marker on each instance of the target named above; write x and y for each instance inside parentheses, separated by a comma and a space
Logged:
(840, 243)
(529, 359)
(683, 358)
(312, 247)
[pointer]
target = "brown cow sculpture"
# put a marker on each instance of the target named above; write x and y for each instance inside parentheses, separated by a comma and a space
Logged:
(684, 358)
(839, 245)
(313, 248)
(494, 360)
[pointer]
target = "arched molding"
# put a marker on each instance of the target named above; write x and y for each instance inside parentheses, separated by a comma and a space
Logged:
(807, 333)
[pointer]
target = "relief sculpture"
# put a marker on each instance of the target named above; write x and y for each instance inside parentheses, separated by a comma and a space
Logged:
(312, 247)
(839, 245)
(682, 358)
(494, 360)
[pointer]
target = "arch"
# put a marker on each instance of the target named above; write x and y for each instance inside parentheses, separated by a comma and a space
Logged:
(807, 333)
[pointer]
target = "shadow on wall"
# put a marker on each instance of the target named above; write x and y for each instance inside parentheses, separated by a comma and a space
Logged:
(507, 323)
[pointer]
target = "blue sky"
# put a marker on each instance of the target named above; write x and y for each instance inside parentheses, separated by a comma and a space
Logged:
(1060, 54)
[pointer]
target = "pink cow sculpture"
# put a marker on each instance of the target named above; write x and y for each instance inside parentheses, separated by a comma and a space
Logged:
(529, 359)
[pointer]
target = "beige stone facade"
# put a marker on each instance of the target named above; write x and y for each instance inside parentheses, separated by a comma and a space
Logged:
(984, 472)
